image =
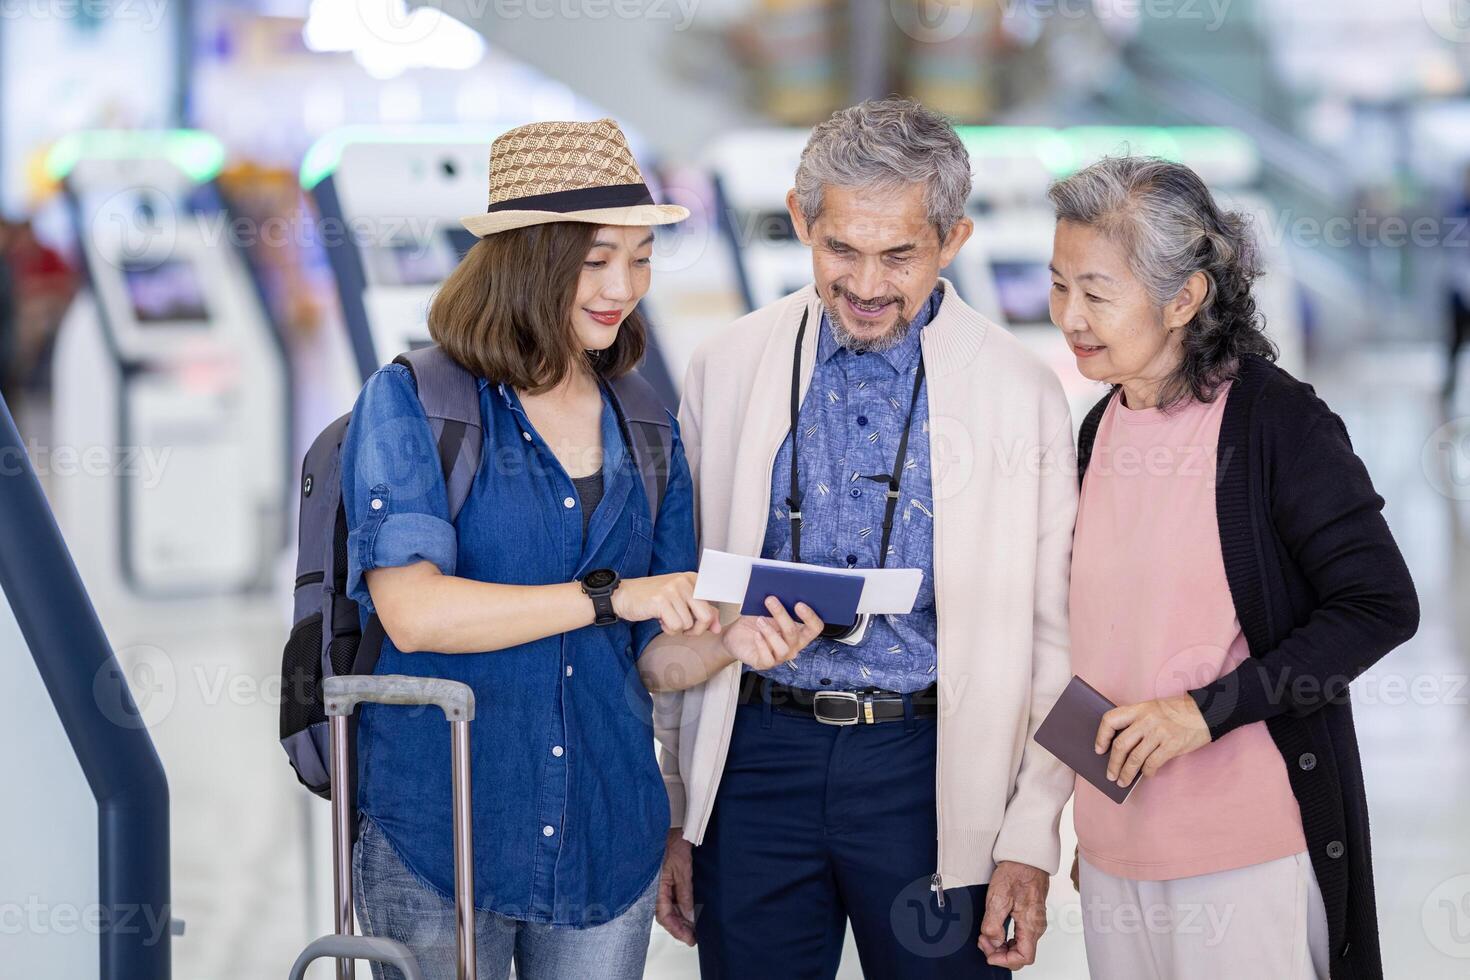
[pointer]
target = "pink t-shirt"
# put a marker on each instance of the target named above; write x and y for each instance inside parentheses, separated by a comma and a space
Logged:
(1152, 617)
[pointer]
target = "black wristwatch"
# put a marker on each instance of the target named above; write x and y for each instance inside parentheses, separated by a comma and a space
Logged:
(600, 584)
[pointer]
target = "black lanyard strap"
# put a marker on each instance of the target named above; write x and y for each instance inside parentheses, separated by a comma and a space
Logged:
(793, 502)
(894, 481)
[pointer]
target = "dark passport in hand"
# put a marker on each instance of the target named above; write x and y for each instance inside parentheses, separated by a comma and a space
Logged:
(1070, 732)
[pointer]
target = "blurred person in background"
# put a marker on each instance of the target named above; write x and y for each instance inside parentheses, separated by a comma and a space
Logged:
(1231, 574)
(1457, 282)
(43, 285)
(884, 778)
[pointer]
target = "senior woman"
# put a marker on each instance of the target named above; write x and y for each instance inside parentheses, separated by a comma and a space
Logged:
(1231, 574)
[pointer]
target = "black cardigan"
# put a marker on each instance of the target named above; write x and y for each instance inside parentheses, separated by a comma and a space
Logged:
(1322, 593)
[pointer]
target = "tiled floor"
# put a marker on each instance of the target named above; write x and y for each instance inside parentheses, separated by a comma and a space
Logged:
(241, 824)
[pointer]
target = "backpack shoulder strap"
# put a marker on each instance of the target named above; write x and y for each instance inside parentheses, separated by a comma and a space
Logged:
(1087, 433)
(451, 399)
(651, 433)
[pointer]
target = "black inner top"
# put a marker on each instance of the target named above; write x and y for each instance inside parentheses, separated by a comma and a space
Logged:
(589, 488)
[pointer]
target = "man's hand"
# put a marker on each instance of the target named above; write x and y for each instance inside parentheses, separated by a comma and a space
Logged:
(675, 909)
(1146, 735)
(764, 642)
(1018, 891)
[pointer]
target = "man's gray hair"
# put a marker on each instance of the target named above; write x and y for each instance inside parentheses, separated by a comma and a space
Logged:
(887, 144)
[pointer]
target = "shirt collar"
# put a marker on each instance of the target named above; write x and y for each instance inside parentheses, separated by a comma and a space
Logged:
(901, 357)
(613, 450)
(507, 394)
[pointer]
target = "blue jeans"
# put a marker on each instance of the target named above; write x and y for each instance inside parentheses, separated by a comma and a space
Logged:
(394, 903)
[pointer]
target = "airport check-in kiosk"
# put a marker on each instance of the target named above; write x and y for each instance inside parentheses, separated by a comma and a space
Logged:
(1012, 167)
(84, 834)
(389, 203)
(751, 171)
(171, 386)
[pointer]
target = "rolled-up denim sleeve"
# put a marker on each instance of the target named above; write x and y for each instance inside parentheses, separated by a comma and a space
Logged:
(392, 485)
(674, 547)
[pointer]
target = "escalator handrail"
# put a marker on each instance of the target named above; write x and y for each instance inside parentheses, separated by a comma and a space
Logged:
(92, 698)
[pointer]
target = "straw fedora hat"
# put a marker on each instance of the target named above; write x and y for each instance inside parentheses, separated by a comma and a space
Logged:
(567, 171)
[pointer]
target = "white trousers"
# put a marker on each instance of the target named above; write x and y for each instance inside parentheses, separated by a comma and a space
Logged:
(1265, 920)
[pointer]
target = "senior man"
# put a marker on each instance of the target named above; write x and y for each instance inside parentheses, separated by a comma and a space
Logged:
(881, 775)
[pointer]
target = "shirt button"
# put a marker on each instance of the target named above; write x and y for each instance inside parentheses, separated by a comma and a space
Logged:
(569, 503)
(557, 750)
(377, 503)
(852, 559)
(826, 680)
(548, 830)
(862, 420)
(526, 436)
(855, 492)
(1308, 762)
(569, 670)
(1335, 849)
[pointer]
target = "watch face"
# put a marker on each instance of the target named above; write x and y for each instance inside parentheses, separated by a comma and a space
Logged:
(600, 579)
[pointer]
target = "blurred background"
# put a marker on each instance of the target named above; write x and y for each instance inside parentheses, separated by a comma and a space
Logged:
(218, 216)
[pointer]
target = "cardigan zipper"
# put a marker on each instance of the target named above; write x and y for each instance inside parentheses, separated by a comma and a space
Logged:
(936, 882)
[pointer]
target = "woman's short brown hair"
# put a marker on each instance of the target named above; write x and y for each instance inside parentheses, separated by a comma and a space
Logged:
(505, 312)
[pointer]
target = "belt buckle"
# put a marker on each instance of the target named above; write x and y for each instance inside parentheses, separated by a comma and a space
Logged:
(851, 697)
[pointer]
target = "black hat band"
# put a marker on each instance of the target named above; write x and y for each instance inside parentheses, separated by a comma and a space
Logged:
(582, 199)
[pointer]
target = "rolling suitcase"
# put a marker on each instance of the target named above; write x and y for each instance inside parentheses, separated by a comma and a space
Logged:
(341, 695)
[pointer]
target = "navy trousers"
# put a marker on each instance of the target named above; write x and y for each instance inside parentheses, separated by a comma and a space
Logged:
(816, 826)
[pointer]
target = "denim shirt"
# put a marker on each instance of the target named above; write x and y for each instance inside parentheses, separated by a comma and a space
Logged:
(850, 423)
(570, 810)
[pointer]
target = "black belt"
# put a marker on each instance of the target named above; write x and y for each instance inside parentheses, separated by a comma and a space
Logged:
(868, 706)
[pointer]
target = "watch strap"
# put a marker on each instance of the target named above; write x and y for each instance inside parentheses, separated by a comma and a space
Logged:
(602, 605)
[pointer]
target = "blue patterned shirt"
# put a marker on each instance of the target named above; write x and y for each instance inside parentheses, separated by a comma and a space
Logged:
(850, 423)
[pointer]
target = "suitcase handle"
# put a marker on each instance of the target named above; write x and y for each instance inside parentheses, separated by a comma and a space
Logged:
(371, 948)
(344, 693)
(341, 695)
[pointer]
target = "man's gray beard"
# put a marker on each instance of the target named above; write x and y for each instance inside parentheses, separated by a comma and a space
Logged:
(858, 345)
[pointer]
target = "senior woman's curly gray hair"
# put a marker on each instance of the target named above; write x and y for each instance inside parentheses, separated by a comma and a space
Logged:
(1170, 226)
(887, 144)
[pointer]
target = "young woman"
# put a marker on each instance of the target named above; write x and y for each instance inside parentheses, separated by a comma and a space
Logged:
(570, 812)
(1231, 574)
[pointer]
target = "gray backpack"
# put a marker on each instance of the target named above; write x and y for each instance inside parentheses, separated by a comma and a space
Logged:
(325, 639)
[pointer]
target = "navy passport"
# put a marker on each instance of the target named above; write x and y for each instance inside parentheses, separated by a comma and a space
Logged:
(832, 595)
(1070, 731)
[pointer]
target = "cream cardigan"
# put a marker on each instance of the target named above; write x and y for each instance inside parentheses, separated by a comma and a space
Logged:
(1005, 495)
